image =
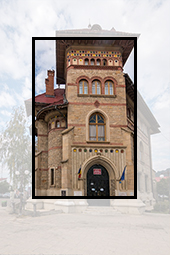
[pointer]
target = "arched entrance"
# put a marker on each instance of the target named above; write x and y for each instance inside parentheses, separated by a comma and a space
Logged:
(110, 176)
(97, 181)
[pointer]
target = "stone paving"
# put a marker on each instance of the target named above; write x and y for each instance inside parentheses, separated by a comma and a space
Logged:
(84, 234)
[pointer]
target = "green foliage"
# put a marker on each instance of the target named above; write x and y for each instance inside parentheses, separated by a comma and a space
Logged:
(162, 206)
(163, 187)
(4, 187)
(16, 147)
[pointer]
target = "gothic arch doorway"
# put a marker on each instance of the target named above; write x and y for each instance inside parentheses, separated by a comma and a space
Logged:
(97, 181)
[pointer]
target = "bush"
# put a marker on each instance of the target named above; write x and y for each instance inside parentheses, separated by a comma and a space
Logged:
(162, 206)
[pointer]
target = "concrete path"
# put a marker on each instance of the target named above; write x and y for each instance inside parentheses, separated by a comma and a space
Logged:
(83, 234)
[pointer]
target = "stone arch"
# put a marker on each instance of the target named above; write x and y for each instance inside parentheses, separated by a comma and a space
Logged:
(96, 78)
(107, 123)
(107, 164)
(114, 82)
(82, 77)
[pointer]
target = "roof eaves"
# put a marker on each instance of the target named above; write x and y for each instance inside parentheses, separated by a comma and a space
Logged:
(50, 107)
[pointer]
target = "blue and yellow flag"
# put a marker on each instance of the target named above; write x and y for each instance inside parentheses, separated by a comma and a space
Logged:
(123, 175)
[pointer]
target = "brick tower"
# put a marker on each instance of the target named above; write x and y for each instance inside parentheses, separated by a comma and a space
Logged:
(88, 127)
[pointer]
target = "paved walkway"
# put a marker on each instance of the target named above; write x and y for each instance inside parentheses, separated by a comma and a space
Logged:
(81, 234)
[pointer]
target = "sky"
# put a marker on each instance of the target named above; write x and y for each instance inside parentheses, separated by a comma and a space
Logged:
(22, 20)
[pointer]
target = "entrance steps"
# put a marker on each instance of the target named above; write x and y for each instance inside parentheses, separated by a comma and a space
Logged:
(101, 210)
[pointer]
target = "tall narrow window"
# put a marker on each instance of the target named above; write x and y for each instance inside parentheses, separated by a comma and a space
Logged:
(104, 62)
(97, 127)
(57, 124)
(83, 87)
(86, 62)
(98, 62)
(109, 88)
(52, 176)
(92, 62)
(96, 87)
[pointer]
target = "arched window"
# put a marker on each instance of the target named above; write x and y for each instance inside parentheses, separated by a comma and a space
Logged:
(104, 62)
(96, 87)
(83, 87)
(98, 62)
(57, 124)
(109, 88)
(92, 62)
(86, 62)
(97, 126)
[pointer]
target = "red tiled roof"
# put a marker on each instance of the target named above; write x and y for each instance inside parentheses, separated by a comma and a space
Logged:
(58, 99)
(157, 179)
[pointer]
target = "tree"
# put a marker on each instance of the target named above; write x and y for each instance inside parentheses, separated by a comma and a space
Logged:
(4, 187)
(16, 148)
(163, 187)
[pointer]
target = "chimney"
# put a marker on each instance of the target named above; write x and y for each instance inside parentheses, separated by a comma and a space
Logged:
(49, 82)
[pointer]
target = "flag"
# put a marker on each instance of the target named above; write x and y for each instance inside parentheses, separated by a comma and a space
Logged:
(79, 172)
(123, 175)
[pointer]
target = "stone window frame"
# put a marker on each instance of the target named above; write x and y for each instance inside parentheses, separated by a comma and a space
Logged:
(97, 124)
(104, 59)
(110, 78)
(83, 80)
(96, 81)
(80, 78)
(96, 60)
(102, 81)
(107, 126)
(109, 81)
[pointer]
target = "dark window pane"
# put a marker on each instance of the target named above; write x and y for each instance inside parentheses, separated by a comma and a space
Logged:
(100, 119)
(93, 119)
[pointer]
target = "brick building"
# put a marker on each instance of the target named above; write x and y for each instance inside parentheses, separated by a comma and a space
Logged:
(89, 125)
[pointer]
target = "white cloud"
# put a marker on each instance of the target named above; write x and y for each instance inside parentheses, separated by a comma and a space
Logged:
(7, 100)
(40, 82)
(6, 113)
(27, 89)
(21, 20)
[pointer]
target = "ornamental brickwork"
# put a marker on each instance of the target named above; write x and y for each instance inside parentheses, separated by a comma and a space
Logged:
(69, 138)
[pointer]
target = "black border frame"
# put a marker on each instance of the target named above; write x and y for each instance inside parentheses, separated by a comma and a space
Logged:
(135, 117)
